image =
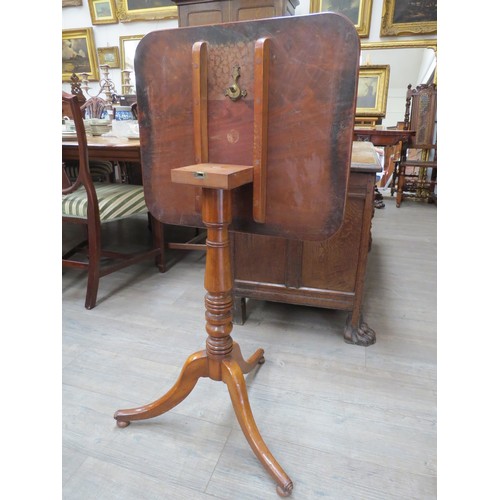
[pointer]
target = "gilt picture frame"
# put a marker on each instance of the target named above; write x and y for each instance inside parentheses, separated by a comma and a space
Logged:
(358, 11)
(145, 10)
(128, 46)
(373, 86)
(109, 56)
(79, 54)
(103, 11)
(405, 17)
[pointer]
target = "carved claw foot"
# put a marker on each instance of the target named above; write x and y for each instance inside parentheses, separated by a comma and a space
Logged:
(361, 335)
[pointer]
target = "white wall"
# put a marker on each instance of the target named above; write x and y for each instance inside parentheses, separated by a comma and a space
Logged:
(406, 65)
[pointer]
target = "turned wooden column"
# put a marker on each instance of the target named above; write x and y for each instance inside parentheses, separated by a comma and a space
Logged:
(216, 214)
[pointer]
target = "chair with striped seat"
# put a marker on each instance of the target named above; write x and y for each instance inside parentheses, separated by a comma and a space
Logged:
(94, 204)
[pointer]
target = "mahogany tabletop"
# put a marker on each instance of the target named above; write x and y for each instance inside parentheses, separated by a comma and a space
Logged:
(105, 148)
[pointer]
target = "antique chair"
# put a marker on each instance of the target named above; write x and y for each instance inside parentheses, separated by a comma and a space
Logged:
(415, 173)
(95, 107)
(94, 204)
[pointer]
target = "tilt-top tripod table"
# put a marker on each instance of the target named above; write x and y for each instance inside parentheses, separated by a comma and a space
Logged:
(245, 126)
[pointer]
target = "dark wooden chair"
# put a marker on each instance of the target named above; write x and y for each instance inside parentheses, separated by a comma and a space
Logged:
(94, 204)
(415, 174)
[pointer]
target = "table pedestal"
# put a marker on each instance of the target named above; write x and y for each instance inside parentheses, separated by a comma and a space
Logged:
(222, 359)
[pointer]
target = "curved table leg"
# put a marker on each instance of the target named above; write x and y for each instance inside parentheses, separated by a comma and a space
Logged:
(232, 375)
(196, 366)
(257, 358)
(360, 334)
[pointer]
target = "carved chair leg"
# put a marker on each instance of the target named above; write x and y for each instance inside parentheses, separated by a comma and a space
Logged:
(232, 375)
(94, 266)
(196, 366)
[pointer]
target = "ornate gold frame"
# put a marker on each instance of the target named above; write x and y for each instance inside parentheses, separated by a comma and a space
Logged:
(364, 14)
(125, 14)
(102, 52)
(123, 49)
(430, 43)
(111, 19)
(389, 28)
(88, 35)
(381, 73)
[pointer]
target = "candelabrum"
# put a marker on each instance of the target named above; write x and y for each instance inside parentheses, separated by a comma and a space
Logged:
(106, 85)
(127, 88)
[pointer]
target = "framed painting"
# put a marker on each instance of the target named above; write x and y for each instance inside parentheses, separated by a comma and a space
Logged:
(145, 10)
(358, 11)
(78, 53)
(109, 56)
(373, 85)
(103, 11)
(407, 17)
(128, 46)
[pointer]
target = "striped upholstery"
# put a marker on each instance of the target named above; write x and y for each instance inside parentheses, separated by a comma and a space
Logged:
(116, 201)
(99, 170)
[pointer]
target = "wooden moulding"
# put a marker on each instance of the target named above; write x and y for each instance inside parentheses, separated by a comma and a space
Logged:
(261, 72)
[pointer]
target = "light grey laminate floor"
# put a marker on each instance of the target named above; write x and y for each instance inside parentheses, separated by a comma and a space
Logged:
(345, 422)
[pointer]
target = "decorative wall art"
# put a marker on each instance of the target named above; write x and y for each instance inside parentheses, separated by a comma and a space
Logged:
(409, 17)
(373, 85)
(145, 10)
(79, 54)
(71, 3)
(109, 56)
(358, 11)
(103, 11)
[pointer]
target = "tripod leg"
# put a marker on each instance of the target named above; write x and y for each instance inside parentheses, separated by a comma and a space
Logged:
(248, 365)
(196, 366)
(232, 375)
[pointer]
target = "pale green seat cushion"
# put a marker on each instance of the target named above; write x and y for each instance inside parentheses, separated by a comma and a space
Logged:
(116, 201)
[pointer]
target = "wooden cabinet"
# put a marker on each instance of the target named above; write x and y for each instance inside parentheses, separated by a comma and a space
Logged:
(328, 273)
(201, 12)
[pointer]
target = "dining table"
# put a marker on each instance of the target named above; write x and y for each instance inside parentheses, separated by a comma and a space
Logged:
(105, 147)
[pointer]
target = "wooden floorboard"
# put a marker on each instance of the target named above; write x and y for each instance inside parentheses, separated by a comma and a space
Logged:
(345, 422)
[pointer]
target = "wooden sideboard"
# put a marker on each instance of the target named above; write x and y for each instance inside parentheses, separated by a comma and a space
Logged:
(328, 273)
(201, 12)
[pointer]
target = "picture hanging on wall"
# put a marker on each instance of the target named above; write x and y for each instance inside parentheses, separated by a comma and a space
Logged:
(145, 10)
(103, 11)
(78, 53)
(358, 11)
(373, 85)
(109, 56)
(407, 17)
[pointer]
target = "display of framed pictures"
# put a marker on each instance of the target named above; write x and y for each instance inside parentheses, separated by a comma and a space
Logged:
(373, 85)
(358, 11)
(103, 11)
(79, 54)
(407, 17)
(145, 10)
